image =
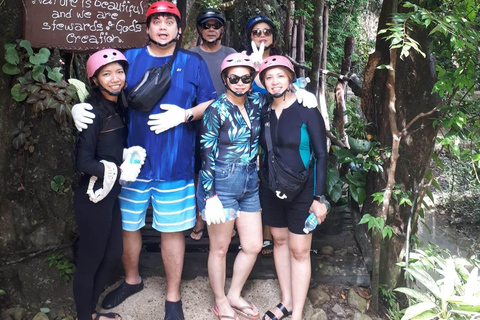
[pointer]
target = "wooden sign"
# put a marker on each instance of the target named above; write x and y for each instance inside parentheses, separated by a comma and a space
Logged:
(85, 25)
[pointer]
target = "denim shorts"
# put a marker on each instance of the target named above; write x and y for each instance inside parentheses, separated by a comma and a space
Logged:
(237, 188)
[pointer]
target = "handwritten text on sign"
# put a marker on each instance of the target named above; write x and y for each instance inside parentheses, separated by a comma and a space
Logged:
(85, 24)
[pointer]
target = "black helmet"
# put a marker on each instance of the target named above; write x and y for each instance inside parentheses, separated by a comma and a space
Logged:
(208, 14)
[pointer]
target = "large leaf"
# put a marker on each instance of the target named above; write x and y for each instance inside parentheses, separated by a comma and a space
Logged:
(414, 294)
(418, 309)
(82, 93)
(10, 69)
(27, 46)
(11, 56)
(17, 93)
(41, 57)
(424, 278)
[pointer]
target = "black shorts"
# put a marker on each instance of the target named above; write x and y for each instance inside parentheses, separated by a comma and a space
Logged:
(279, 213)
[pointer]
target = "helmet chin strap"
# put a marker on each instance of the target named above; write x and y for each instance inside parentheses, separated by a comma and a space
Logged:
(284, 94)
(164, 44)
(115, 94)
(236, 94)
(211, 41)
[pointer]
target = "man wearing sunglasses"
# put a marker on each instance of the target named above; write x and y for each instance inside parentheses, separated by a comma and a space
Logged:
(210, 26)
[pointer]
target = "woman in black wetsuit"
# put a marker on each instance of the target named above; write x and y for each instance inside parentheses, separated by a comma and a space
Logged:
(99, 155)
(296, 133)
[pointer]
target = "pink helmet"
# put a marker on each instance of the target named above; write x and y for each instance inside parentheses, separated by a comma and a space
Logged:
(275, 61)
(237, 60)
(103, 57)
(163, 7)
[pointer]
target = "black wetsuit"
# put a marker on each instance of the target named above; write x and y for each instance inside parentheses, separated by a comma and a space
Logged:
(99, 224)
(296, 134)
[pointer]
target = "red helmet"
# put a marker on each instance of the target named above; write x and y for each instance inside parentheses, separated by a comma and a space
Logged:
(275, 61)
(163, 7)
(237, 60)
(103, 57)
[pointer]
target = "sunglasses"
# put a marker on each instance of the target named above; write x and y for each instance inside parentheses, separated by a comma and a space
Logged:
(234, 78)
(215, 25)
(258, 32)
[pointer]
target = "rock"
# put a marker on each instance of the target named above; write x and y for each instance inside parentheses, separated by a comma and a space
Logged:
(356, 301)
(68, 318)
(319, 314)
(6, 317)
(338, 310)
(61, 313)
(327, 251)
(360, 316)
(40, 316)
(14, 313)
(318, 297)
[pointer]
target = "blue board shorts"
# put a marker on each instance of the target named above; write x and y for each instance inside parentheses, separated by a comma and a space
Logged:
(173, 205)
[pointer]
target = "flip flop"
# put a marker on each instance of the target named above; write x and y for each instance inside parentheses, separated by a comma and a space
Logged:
(241, 311)
(110, 315)
(197, 232)
(219, 316)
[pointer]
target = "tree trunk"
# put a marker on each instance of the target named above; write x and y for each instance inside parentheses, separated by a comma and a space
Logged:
(317, 43)
(290, 20)
(300, 42)
(339, 117)
(390, 99)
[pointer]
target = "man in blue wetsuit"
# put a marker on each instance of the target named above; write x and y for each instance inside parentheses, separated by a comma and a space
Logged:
(168, 135)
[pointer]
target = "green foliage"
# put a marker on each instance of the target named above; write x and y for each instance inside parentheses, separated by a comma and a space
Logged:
(214, 4)
(22, 137)
(456, 293)
(2, 292)
(390, 301)
(58, 184)
(41, 85)
(355, 178)
(454, 36)
(345, 20)
(65, 268)
(377, 225)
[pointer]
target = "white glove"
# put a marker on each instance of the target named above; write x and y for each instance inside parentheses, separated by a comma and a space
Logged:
(129, 170)
(142, 153)
(109, 179)
(304, 97)
(214, 212)
(257, 54)
(163, 121)
(81, 117)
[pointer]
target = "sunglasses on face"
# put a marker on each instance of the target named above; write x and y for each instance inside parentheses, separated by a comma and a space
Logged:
(234, 78)
(215, 25)
(258, 32)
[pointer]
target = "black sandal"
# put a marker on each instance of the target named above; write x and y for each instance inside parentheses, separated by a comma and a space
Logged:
(110, 315)
(272, 316)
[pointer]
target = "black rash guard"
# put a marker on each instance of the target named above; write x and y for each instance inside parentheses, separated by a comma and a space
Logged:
(297, 134)
(102, 140)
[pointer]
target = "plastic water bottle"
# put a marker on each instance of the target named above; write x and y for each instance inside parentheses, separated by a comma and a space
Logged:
(135, 159)
(301, 83)
(311, 223)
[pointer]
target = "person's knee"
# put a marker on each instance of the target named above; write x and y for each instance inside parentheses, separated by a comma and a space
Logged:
(252, 247)
(219, 251)
(279, 241)
(300, 253)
